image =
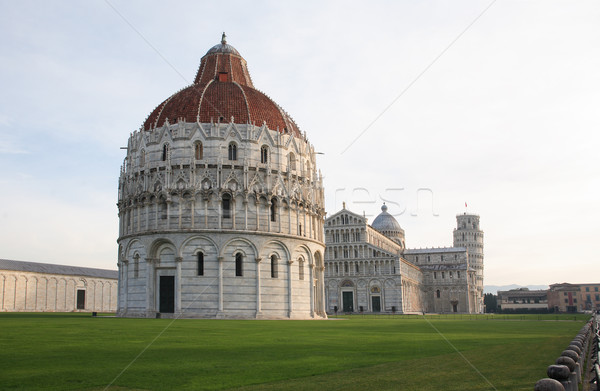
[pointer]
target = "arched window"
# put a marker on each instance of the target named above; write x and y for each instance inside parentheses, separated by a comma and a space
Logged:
(198, 150)
(136, 265)
(292, 161)
(232, 151)
(142, 158)
(200, 263)
(165, 152)
(226, 206)
(273, 209)
(264, 154)
(437, 293)
(273, 266)
(434, 275)
(239, 266)
(301, 269)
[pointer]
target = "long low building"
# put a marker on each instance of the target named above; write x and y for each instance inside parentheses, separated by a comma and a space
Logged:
(523, 299)
(41, 287)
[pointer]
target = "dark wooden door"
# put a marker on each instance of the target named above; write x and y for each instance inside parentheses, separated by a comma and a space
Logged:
(167, 294)
(80, 299)
(376, 303)
(348, 299)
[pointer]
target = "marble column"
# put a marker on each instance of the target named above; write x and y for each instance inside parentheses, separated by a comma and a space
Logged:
(178, 262)
(258, 287)
(311, 268)
(290, 300)
(150, 288)
(221, 259)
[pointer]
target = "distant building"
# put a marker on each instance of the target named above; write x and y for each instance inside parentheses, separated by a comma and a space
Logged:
(523, 299)
(369, 269)
(590, 296)
(567, 297)
(41, 287)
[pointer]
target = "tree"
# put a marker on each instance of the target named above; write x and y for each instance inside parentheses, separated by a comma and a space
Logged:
(491, 302)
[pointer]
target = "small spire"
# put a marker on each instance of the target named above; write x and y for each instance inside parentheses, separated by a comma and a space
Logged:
(224, 39)
(344, 204)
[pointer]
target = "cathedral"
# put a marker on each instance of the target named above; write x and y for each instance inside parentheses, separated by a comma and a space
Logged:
(368, 268)
(221, 205)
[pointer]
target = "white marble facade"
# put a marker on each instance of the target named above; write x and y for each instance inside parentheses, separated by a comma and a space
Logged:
(369, 270)
(221, 217)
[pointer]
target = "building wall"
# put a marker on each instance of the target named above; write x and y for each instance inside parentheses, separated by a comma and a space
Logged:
(590, 297)
(564, 297)
(175, 203)
(219, 292)
(37, 292)
(448, 282)
(523, 299)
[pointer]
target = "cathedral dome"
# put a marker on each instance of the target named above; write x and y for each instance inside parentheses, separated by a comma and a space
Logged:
(385, 221)
(387, 225)
(222, 92)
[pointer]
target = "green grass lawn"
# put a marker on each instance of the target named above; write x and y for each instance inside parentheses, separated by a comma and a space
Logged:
(79, 352)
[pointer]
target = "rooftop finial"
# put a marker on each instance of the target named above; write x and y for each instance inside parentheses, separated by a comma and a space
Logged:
(224, 39)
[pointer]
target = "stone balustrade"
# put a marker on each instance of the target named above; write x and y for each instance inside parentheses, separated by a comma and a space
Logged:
(568, 370)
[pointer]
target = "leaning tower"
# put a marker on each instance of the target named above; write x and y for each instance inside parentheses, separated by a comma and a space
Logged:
(468, 234)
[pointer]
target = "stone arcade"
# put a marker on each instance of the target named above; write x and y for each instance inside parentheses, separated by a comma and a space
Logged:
(221, 205)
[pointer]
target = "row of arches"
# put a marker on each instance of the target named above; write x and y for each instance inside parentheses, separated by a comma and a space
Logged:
(356, 268)
(345, 235)
(211, 279)
(208, 210)
(232, 155)
(335, 252)
(343, 220)
(39, 293)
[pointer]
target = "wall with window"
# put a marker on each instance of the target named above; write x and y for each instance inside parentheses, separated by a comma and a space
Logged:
(42, 292)
(196, 176)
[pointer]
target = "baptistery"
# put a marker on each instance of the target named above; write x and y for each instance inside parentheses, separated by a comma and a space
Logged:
(221, 205)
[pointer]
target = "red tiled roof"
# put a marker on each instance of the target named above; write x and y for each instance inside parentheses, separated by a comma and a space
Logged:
(222, 89)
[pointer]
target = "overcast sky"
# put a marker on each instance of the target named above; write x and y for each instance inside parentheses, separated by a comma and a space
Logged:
(425, 105)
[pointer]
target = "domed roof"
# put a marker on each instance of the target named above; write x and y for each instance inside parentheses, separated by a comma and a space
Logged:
(222, 90)
(223, 47)
(385, 222)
